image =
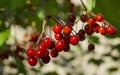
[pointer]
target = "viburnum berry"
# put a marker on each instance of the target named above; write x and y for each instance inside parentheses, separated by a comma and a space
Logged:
(60, 45)
(99, 17)
(91, 20)
(81, 34)
(66, 48)
(83, 18)
(47, 42)
(88, 29)
(41, 47)
(32, 61)
(57, 28)
(71, 18)
(30, 52)
(96, 27)
(46, 59)
(91, 47)
(111, 30)
(74, 39)
(67, 29)
(54, 53)
(52, 45)
(102, 30)
(46, 52)
(58, 36)
(39, 53)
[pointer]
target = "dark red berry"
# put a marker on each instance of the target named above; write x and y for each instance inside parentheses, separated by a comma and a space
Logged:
(67, 29)
(58, 36)
(91, 47)
(81, 34)
(46, 53)
(91, 20)
(83, 18)
(74, 39)
(71, 18)
(111, 30)
(57, 28)
(32, 61)
(39, 53)
(102, 30)
(99, 17)
(66, 48)
(46, 59)
(88, 29)
(52, 45)
(60, 45)
(54, 53)
(30, 52)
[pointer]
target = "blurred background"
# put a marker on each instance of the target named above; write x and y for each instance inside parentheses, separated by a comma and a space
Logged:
(21, 24)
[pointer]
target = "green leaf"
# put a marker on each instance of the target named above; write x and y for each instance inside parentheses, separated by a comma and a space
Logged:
(17, 3)
(111, 12)
(90, 4)
(112, 69)
(96, 61)
(20, 65)
(0, 22)
(4, 3)
(35, 2)
(4, 36)
(94, 39)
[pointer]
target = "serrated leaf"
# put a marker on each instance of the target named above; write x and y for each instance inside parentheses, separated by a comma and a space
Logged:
(3, 36)
(17, 3)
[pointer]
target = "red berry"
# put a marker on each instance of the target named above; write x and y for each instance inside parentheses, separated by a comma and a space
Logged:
(32, 61)
(39, 53)
(46, 53)
(96, 28)
(54, 53)
(74, 39)
(41, 47)
(111, 30)
(30, 52)
(57, 28)
(71, 18)
(99, 17)
(47, 42)
(58, 36)
(46, 59)
(81, 34)
(52, 45)
(91, 46)
(91, 20)
(102, 30)
(83, 18)
(88, 29)
(67, 48)
(60, 45)
(67, 29)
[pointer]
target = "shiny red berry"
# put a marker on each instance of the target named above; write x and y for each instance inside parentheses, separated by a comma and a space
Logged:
(102, 30)
(88, 29)
(46, 59)
(111, 30)
(99, 17)
(32, 61)
(74, 39)
(58, 36)
(91, 20)
(30, 52)
(60, 45)
(39, 53)
(41, 47)
(57, 28)
(67, 29)
(47, 42)
(96, 27)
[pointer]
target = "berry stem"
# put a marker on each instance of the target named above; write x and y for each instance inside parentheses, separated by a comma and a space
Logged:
(83, 5)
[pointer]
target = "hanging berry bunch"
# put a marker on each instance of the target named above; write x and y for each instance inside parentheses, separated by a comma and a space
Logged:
(48, 47)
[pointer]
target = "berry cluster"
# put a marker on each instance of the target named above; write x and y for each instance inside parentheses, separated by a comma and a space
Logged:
(64, 35)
